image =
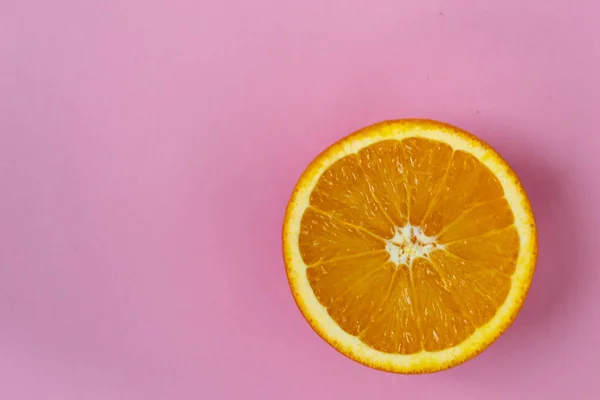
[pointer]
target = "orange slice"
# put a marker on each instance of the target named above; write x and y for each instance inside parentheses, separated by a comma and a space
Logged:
(409, 246)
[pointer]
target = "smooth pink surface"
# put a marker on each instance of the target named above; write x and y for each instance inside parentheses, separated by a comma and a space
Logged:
(148, 149)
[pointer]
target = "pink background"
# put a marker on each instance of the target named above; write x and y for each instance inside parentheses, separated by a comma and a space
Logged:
(148, 149)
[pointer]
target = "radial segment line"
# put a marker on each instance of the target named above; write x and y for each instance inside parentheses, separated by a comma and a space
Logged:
(414, 304)
(484, 295)
(351, 225)
(348, 257)
(477, 261)
(446, 288)
(384, 300)
(407, 186)
(439, 189)
(360, 281)
(468, 210)
(481, 235)
(372, 191)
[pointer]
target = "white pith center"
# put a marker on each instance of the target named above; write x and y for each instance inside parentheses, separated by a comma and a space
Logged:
(410, 243)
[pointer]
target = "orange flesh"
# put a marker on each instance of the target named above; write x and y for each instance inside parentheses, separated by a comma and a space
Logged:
(434, 301)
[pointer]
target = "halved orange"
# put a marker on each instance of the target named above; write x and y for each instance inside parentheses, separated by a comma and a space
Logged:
(409, 246)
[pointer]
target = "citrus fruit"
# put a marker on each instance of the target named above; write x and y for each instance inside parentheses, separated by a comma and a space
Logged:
(409, 245)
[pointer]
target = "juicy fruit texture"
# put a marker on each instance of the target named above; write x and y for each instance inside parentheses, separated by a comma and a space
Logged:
(430, 302)
(410, 245)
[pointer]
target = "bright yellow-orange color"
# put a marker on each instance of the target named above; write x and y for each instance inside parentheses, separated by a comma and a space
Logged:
(409, 246)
